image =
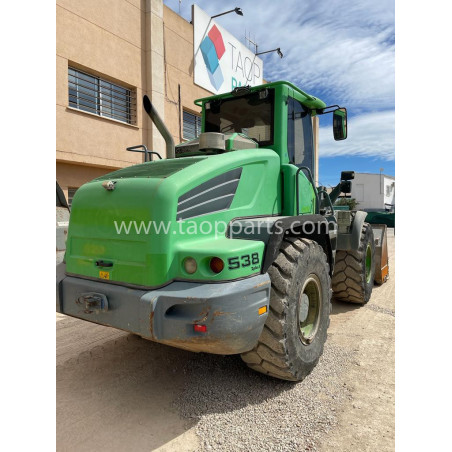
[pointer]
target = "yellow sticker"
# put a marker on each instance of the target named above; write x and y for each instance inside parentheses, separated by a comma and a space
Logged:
(104, 275)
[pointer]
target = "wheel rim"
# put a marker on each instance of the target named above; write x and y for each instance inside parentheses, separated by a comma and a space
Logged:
(309, 309)
(368, 263)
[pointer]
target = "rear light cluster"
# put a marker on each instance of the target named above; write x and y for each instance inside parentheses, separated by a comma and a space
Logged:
(215, 264)
(190, 265)
(200, 328)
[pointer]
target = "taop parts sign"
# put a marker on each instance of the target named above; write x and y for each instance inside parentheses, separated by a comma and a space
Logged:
(221, 62)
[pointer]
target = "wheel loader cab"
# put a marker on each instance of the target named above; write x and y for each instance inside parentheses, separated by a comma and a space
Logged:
(275, 116)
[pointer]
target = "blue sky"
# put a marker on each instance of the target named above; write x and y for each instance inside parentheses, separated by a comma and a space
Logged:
(341, 52)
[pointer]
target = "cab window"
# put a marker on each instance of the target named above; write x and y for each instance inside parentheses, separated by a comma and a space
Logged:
(251, 114)
(299, 135)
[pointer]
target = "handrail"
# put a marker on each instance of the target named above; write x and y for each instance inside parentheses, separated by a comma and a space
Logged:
(143, 148)
(322, 190)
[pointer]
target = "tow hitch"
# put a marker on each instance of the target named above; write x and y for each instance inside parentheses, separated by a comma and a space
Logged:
(93, 302)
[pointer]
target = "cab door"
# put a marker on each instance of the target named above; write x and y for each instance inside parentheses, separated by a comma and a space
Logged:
(300, 143)
(300, 151)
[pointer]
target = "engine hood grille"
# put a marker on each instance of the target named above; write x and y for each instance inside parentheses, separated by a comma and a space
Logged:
(212, 196)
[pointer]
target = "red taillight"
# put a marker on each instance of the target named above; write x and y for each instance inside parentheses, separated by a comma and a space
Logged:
(216, 264)
(200, 328)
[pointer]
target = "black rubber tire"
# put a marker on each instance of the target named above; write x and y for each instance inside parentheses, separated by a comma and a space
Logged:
(349, 277)
(280, 352)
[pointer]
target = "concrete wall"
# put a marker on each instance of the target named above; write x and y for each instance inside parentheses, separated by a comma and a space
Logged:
(178, 43)
(139, 44)
(104, 38)
(110, 39)
(75, 176)
(154, 70)
(369, 190)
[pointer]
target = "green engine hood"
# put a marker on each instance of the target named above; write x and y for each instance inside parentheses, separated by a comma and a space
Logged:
(112, 233)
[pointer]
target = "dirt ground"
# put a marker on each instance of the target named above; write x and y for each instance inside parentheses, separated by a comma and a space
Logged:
(117, 392)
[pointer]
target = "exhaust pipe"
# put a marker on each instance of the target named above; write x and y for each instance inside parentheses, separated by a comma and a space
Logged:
(157, 120)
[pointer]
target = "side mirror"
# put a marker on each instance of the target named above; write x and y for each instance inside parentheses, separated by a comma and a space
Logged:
(340, 124)
(346, 186)
(347, 175)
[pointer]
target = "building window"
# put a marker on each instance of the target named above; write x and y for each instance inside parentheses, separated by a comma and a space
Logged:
(101, 97)
(192, 125)
(70, 195)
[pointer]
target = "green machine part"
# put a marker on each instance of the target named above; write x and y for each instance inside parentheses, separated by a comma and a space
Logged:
(131, 226)
(283, 90)
(134, 227)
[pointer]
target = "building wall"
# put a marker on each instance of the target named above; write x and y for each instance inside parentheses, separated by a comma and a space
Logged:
(107, 38)
(101, 38)
(369, 190)
(178, 42)
(138, 44)
(75, 175)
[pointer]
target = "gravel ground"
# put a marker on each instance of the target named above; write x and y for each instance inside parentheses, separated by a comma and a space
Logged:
(377, 308)
(261, 413)
(117, 392)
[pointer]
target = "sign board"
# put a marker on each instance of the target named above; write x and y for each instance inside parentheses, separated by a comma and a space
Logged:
(221, 62)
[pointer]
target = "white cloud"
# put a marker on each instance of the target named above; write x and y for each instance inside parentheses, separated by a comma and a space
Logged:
(344, 50)
(369, 135)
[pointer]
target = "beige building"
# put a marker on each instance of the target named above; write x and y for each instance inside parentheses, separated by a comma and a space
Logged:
(109, 54)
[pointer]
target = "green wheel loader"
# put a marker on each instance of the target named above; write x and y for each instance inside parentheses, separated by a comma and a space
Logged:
(227, 246)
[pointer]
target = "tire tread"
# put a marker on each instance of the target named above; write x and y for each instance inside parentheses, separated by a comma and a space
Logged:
(270, 355)
(348, 280)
